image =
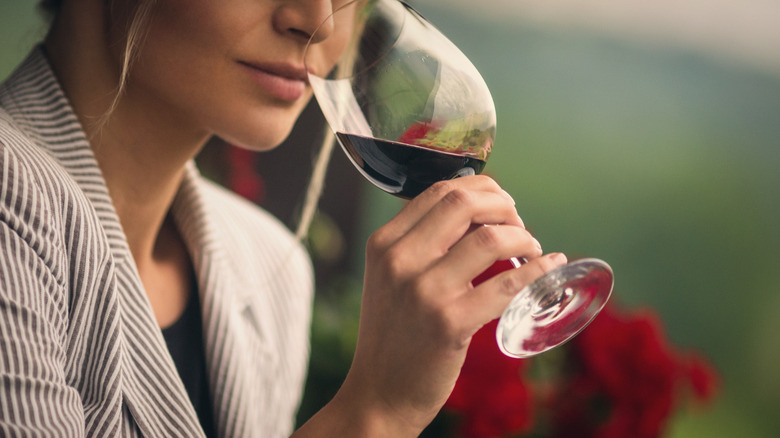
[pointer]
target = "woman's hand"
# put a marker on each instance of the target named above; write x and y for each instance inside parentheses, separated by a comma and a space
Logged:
(419, 306)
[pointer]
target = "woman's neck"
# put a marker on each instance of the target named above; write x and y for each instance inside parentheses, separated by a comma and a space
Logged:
(141, 145)
(143, 157)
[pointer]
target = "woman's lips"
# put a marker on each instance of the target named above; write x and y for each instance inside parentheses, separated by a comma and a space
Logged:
(281, 81)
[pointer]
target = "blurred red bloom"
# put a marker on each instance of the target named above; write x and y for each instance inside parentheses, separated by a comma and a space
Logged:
(703, 378)
(242, 177)
(627, 379)
(620, 377)
(491, 396)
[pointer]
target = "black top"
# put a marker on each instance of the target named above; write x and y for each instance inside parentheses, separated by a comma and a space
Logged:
(185, 343)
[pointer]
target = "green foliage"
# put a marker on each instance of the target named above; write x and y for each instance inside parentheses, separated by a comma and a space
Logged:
(20, 28)
(334, 337)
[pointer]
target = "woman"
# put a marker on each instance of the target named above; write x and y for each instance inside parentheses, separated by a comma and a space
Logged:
(111, 241)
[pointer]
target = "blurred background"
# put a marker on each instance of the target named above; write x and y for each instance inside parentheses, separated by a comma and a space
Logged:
(643, 133)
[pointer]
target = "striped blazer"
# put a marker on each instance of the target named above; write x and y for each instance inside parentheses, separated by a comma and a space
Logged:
(80, 351)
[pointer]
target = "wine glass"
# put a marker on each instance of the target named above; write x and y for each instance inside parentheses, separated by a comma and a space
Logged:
(409, 109)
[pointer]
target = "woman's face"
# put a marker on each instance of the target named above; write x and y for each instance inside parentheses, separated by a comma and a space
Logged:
(235, 67)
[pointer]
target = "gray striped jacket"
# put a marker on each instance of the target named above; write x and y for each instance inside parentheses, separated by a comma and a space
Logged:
(80, 351)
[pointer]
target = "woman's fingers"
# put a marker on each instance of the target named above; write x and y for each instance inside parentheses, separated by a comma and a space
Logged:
(452, 218)
(487, 244)
(489, 300)
(449, 225)
(453, 193)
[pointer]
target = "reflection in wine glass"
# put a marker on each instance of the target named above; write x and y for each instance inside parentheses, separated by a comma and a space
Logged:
(410, 109)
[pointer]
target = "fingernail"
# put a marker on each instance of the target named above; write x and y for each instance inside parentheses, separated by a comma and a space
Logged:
(560, 257)
(505, 193)
(538, 245)
(519, 219)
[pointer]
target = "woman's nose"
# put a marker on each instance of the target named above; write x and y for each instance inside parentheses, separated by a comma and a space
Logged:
(304, 19)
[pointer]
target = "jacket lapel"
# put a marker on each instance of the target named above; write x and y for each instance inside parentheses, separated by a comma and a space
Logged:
(150, 384)
(239, 344)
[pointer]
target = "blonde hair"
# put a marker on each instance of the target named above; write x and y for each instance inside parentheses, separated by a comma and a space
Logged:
(317, 182)
(136, 31)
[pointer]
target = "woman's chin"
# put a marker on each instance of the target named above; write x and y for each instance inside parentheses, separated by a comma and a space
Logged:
(259, 140)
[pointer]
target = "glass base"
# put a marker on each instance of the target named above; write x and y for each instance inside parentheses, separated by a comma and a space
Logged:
(554, 308)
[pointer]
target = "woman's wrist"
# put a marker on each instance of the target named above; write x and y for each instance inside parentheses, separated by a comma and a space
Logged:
(377, 414)
(355, 412)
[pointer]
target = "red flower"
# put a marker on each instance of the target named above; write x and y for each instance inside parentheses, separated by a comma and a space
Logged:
(490, 396)
(703, 378)
(242, 176)
(627, 381)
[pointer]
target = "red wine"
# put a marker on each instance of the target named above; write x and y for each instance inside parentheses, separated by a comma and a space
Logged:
(405, 170)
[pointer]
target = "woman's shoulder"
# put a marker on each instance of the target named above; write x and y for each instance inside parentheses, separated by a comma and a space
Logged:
(13, 137)
(35, 119)
(25, 165)
(40, 205)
